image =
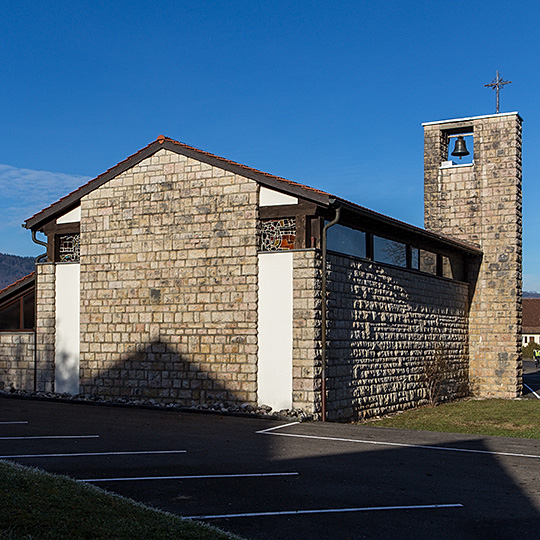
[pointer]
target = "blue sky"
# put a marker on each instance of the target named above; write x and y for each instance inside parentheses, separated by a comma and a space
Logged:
(331, 94)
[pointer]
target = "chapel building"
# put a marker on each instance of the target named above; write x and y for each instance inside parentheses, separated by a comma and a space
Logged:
(187, 278)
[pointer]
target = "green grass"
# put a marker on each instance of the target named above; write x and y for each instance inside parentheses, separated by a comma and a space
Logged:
(499, 417)
(35, 505)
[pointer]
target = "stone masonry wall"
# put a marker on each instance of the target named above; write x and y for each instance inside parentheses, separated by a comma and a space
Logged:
(307, 330)
(384, 325)
(169, 284)
(45, 325)
(17, 360)
(481, 203)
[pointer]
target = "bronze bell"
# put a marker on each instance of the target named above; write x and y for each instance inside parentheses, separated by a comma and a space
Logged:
(461, 148)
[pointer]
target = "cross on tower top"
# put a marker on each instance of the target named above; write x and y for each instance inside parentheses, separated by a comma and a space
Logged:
(497, 83)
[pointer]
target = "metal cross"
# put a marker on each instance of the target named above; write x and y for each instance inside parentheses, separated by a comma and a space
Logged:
(497, 83)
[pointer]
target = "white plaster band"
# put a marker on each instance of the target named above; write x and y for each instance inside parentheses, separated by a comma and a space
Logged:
(470, 118)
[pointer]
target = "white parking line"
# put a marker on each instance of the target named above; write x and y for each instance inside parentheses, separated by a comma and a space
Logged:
(204, 476)
(404, 445)
(50, 437)
(9, 423)
(535, 394)
(278, 427)
(19, 456)
(329, 511)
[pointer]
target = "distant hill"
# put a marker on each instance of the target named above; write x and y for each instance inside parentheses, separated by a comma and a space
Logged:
(13, 267)
(531, 294)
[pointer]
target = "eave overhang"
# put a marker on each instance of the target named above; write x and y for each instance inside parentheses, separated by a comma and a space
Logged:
(352, 213)
(366, 219)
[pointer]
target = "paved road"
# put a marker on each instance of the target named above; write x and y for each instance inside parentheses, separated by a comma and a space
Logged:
(531, 380)
(356, 482)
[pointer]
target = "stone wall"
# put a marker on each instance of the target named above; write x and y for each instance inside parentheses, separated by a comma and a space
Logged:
(169, 284)
(481, 203)
(307, 330)
(45, 325)
(17, 360)
(385, 325)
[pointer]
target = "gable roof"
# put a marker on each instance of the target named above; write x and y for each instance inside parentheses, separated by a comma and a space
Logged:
(73, 199)
(531, 315)
(362, 215)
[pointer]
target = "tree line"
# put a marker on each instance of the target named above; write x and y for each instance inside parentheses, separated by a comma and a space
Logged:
(14, 267)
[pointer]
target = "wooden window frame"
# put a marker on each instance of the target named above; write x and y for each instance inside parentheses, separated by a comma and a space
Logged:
(53, 231)
(13, 301)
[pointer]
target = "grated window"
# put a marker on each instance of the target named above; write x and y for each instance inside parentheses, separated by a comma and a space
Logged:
(69, 247)
(278, 234)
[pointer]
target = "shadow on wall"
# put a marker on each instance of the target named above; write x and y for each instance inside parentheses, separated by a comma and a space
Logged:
(394, 341)
(156, 371)
(66, 373)
(17, 361)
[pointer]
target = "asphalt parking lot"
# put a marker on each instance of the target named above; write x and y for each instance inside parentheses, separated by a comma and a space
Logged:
(531, 380)
(268, 479)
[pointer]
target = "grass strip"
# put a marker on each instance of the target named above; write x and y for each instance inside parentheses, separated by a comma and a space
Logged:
(497, 417)
(37, 505)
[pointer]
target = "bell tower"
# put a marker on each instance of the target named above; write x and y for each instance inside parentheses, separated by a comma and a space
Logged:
(480, 202)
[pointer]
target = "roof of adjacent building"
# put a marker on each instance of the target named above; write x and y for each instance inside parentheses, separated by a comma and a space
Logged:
(531, 315)
(322, 198)
(17, 287)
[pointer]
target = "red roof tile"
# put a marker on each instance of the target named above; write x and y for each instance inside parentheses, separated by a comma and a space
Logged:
(245, 167)
(18, 283)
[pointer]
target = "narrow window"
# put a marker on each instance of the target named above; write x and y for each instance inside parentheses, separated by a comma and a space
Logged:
(415, 258)
(29, 311)
(428, 262)
(346, 240)
(389, 251)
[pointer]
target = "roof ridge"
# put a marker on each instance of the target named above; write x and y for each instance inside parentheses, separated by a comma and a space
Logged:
(163, 138)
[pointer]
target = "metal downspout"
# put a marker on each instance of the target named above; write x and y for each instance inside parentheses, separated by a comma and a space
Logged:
(323, 311)
(38, 259)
